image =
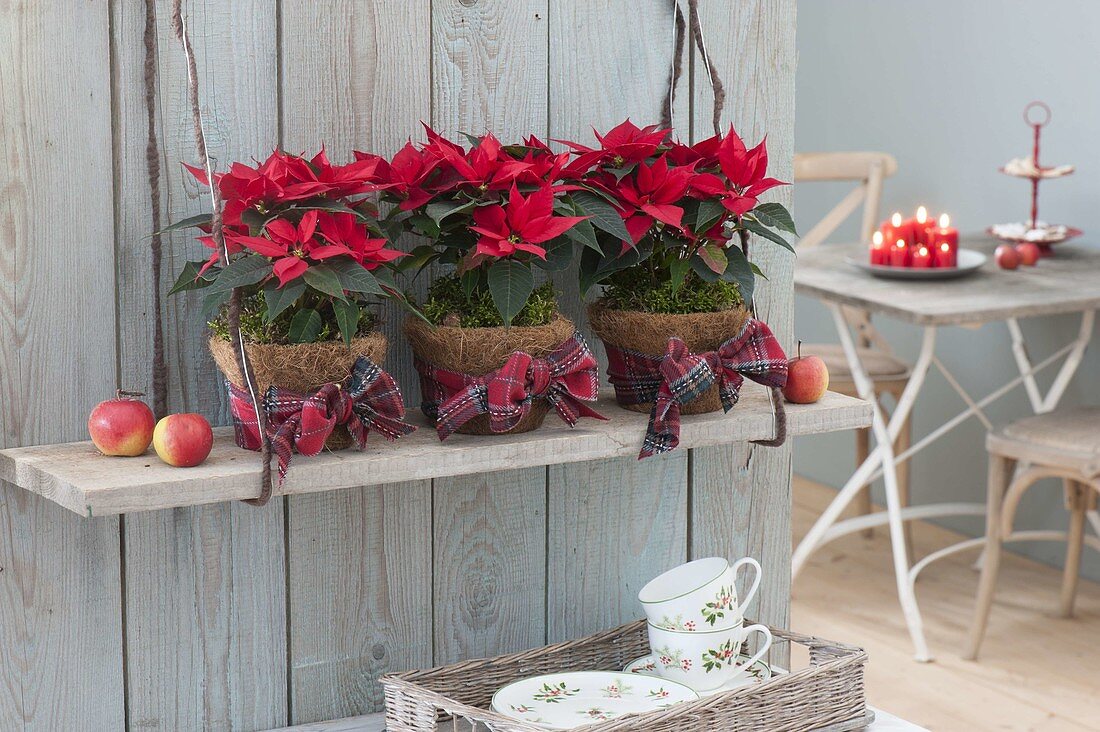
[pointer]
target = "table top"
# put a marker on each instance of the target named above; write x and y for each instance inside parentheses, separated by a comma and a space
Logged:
(1067, 282)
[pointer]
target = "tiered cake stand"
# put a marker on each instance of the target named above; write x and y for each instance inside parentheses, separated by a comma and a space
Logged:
(1034, 230)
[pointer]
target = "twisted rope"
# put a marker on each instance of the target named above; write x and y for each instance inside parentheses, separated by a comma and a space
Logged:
(152, 166)
(179, 27)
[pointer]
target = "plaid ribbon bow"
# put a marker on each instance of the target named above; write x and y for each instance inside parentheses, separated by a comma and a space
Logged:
(566, 378)
(680, 376)
(369, 400)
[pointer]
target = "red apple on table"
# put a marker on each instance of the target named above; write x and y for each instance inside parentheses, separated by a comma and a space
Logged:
(122, 426)
(807, 378)
(183, 440)
(1029, 253)
(1007, 257)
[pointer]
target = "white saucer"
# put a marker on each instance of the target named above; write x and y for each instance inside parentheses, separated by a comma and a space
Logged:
(759, 671)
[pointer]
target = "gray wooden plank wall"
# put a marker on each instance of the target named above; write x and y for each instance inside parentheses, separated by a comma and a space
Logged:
(235, 618)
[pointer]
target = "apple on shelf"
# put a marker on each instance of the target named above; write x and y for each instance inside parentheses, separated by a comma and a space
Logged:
(122, 426)
(807, 379)
(183, 440)
(1007, 257)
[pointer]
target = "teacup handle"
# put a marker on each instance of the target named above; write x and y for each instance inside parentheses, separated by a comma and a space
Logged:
(744, 603)
(763, 629)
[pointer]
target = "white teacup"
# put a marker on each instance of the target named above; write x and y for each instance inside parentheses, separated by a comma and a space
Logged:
(699, 595)
(704, 659)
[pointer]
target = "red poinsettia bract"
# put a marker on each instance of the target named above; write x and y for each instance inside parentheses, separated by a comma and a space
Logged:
(522, 224)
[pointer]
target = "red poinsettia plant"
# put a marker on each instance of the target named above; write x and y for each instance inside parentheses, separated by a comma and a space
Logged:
(494, 211)
(670, 215)
(303, 241)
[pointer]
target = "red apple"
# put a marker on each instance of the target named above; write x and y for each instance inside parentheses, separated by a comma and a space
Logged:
(807, 378)
(1029, 253)
(122, 426)
(183, 440)
(1007, 257)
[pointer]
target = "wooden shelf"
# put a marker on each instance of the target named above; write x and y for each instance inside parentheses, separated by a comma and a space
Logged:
(76, 476)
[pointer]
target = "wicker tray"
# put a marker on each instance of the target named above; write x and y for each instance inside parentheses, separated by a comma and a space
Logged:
(827, 693)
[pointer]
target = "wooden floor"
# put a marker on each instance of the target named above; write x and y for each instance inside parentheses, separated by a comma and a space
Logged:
(1037, 671)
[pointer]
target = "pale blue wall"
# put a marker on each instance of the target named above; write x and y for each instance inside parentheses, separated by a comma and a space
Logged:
(940, 84)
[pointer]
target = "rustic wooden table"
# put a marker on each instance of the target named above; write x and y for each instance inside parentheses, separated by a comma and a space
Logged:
(1066, 283)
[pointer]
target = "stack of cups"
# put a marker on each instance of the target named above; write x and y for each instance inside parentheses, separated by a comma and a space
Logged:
(697, 625)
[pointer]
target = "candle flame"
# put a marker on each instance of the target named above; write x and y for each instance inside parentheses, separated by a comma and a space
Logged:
(945, 221)
(876, 239)
(901, 244)
(896, 219)
(922, 214)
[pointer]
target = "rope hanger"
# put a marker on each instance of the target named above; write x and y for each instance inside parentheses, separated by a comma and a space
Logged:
(179, 27)
(718, 92)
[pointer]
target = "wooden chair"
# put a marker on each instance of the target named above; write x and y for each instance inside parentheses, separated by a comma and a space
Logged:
(1062, 445)
(890, 374)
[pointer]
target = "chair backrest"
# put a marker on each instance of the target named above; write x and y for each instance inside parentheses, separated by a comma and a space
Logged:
(868, 169)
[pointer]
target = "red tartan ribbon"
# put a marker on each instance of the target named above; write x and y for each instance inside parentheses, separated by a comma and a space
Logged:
(369, 400)
(680, 376)
(566, 378)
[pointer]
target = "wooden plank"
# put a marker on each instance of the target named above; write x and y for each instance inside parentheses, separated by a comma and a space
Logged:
(360, 600)
(205, 602)
(357, 76)
(490, 564)
(614, 525)
(60, 607)
(489, 72)
(60, 618)
(80, 479)
(1066, 283)
(206, 618)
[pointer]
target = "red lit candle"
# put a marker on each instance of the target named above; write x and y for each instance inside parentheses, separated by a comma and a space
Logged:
(945, 242)
(878, 250)
(899, 254)
(921, 226)
(922, 257)
(895, 229)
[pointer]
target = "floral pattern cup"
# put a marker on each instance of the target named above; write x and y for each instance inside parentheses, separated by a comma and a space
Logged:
(704, 659)
(697, 596)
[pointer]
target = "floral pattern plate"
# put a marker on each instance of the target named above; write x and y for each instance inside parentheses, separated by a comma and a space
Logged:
(568, 700)
(759, 671)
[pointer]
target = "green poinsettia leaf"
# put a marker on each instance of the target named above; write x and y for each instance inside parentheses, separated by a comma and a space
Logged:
(708, 214)
(442, 209)
(347, 317)
(323, 278)
(701, 268)
(714, 256)
(603, 214)
(212, 303)
(776, 216)
(679, 269)
(354, 277)
(187, 223)
(510, 284)
(760, 230)
(241, 273)
(742, 272)
(190, 279)
(277, 299)
(559, 253)
(305, 326)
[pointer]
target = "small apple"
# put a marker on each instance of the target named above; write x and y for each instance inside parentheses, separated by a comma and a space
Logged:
(183, 440)
(122, 426)
(1007, 257)
(807, 378)
(1029, 253)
